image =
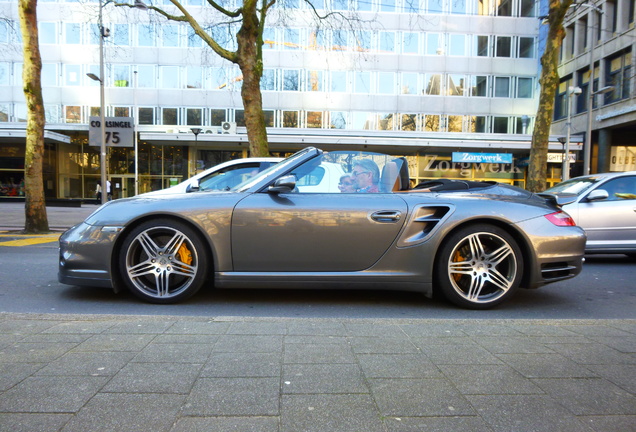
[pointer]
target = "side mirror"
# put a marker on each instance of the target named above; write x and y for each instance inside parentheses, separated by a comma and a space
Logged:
(193, 186)
(597, 195)
(284, 184)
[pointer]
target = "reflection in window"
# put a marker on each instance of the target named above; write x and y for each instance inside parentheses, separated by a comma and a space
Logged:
(477, 124)
(314, 119)
(217, 116)
(146, 116)
(387, 42)
(194, 77)
(386, 82)
(479, 85)
(268, 80)
(338, 81)
(431, 123)
(362, 82)
(409, 83)
(73, 114)
(290, 119)
(72, 33)
(409, 122)
(434, 44)
(436, 6)
(500, 125)
(193, 40)
(386, 121)
(410, 43)
(339, 38)
(455, 123)
(481, 46)
(169, 77)
(526, 47)
(457, 45)
(121, 111)
(291, 39)
(387, 5)
(269, 118)
(72, 75)
(170, 116)
(455, 85)
(433, 84)
(337, 120)
(524, 88)
(269, 38)
(458, 7)
(47, 33)
(363, 40)
(504, 7)
(502, 87)
(49, 75)
(239, 117)
(528, 8)
(362, 121)
(194, 116)
(121, 76)
(146, 76)
(503, 46)
(122, 34)
(291, 80)
(145, 35)
(169, 35)
(314, 80)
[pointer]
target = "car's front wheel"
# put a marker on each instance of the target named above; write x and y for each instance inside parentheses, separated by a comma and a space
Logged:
(479, 267)
(163, 261)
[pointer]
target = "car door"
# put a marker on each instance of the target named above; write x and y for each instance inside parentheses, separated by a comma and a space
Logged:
(314, 232)
(611, 222)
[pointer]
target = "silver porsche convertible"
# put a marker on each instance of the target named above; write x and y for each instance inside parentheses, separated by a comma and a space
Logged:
(475, 243)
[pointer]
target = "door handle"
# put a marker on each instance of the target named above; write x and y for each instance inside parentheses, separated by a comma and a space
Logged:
(386, 216)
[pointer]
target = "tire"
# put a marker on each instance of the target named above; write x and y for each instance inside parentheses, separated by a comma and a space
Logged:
(479, 267)
(163, 261)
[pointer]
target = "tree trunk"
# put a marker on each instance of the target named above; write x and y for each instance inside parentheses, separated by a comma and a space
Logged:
(549, 82)
(35, 206)
(250, 61)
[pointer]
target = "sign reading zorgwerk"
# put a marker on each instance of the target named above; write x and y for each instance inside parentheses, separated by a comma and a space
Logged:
(460, 157)
(119, 131)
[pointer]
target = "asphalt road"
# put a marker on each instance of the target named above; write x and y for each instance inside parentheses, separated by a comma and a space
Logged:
(28, 284)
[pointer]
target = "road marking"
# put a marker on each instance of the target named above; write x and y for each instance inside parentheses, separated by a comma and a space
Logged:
(29, 240)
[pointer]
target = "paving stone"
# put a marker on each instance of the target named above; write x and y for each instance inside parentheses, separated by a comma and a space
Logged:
(249, 343)
(199, 328)
(174, 353)
(418, 397)
(398, 366)
(512, 345)
(176, 378)
(141, 327)
(34, 352)
(46, 394)
(258, 328)
(545, 366)
(459, 354)
(590, 396)
(432, 330)
(329, 413)
(436, 424)
(115, 342)
(87, 364)
(488, 379)
(312, 328)
(379, 345)
(12, 373)
(323, 378)
(22, 327)
(227, 424)
(613, 423)
(318, 353)
(594, 354)
(108, 412)
(30, 422)
(526, 413)
(80, 327)
(233, 397)
(245, 365)
(375, 330)
(624, 376)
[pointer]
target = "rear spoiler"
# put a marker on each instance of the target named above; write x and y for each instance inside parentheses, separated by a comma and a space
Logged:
(559, 199)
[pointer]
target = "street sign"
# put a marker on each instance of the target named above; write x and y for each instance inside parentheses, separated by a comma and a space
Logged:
(119, 131)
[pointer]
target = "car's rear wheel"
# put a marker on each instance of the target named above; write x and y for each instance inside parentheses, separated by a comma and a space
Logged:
(163, 261)
(479, 267)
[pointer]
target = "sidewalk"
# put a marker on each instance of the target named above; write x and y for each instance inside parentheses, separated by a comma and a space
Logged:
(125, 373)
(60, 218)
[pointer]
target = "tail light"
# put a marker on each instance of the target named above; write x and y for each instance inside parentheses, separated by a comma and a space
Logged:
(560, 218)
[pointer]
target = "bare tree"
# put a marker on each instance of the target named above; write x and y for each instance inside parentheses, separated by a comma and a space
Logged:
(549, 81)
(35, 206)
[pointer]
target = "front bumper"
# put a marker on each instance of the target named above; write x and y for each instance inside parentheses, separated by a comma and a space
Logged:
(85, 256)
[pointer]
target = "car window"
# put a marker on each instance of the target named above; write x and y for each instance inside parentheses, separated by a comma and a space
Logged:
(229, 177)
(621, 188)
(574, 186)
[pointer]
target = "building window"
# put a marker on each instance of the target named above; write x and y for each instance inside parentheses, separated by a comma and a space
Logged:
(193, 39)
(72, 33)
(504, 7)
(410, 43)
(338, 81)
(409, 83)
(386, 82)
(477, 124)
(435, 6)
(121, 76)
(315, 81)
(455, 85)
(47, 33)
(337, 120)
(121, 111)
(169, 76)
(194, 77)
(291, 80)
(170, 116)
(362, 82)
(432, 123)
(217, 116)
(479, 85)
(387, 5)
(502, 87)
(49, 75)
(314, 119)
(619, 70)
(433, 84)
(291, 39)
(268, 80)
(194, 116)
(387, 42)
(146, 76)
(500, 124)
(73, 114)
(457, 45)
(503, 46)
(146, 116)
(526, 47)
(434, 44)
(169, 35)
(524, 88)
(455, 123)
(458, 7)
(481, 46)
(122, 35)
(408, 122)
(72, 75)
(290, 119)
(145, 35)
(527, 8)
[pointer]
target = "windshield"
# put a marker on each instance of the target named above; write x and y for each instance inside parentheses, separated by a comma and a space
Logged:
(280, 167)
(575, 186)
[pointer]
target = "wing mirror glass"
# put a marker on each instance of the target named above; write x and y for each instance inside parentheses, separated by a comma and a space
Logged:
(598, 194)
(193, 186)
(283, 184)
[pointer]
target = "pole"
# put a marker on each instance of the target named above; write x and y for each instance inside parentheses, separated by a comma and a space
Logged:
(136, 122)
(587, 149)
(102, 108)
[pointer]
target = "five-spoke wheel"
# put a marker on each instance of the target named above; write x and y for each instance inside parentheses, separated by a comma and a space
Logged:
(163, 261)
(479, 266)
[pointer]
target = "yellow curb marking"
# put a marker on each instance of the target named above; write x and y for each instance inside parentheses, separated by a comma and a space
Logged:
(45, 238)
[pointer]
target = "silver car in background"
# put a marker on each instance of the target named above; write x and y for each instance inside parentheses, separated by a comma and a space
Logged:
(605, 207)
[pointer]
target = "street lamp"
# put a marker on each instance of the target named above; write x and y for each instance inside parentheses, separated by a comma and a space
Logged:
(196, 132)
(566, 156)
(103, 33)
